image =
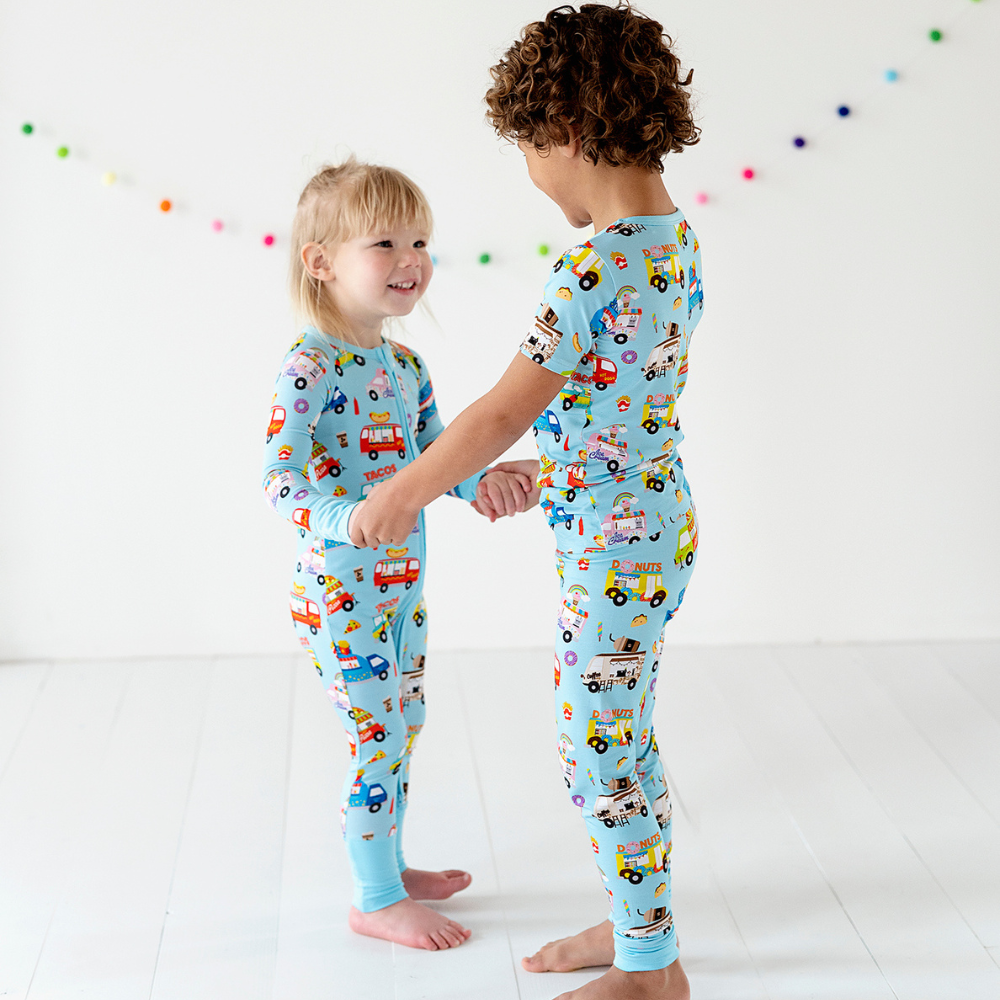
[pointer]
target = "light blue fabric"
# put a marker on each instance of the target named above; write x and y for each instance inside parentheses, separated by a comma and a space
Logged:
(342, 419)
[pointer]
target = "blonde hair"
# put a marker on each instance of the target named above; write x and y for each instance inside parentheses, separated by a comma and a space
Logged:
(342, 202)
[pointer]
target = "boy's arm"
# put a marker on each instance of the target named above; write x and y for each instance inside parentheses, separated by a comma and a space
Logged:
(479, 434)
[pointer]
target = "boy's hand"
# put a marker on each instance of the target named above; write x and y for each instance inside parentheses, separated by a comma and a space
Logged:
(508, 488)
(383, 518)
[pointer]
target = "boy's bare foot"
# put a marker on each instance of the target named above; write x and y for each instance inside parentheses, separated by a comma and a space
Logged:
(411, 923)
(434, 885)
(664, 984)
(594, 946)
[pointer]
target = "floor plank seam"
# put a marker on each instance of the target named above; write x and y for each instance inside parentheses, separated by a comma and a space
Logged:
(31, 711)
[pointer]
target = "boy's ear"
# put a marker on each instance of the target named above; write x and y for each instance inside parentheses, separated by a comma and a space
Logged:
(573, 144)
(316, 262)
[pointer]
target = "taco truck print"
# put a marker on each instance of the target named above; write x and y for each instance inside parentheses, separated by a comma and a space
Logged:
(624, 800)
(608, 729)
(637, 861)
(544, 338)
(623, 666)
(624, 525)
(584, 263)
(659, 920)
(663, 356)
(664, 267)
(396, 570)
(306, 368)
(376, 438)
(627, 581)
(607, 446)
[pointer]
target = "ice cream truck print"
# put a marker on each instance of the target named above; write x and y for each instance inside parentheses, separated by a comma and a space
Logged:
(603, 373)
(664, 267)
(662, 809)
(664, 355)
(687, 541)
(368, 797)
(655, 471)
(620, 320)
(566, 760)
(313, 561)
(606, 446)
(337, 598)
(658, 412)
(413, 686)
(368, 728)
(623, 666)
(543, 339)
(376, 438)
(304, 611)
(548, 423)
(659, 920)
(624, 525)
(605, 733)
(306, 367)
(323, 463)
(339, 696)
(426, 405)
(696, 296)
(639, 861)
(571, 615)
(380, 387)
(625, 799)
(278, 485)
(623, 585)
(584, 263)
(393, 571)
(277, 422)
(346, 358)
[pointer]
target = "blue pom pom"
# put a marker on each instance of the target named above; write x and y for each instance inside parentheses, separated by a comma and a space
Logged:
(891, 75)
(843, 111)
(799, 141)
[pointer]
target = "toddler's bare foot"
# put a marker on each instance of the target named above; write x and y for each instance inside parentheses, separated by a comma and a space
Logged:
(594, 946)
(664, 984)
(434, 885)
(411, 923)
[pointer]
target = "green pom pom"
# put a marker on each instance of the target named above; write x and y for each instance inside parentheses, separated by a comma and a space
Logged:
(935, 35)
(484, 258)
(543, 249)
(63, 151)
(27, 128)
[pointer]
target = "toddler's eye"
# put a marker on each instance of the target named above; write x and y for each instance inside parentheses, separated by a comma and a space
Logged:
(420, 244)
(384, 243)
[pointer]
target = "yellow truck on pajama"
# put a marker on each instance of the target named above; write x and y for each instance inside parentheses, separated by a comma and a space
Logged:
(645, 859)
(605, 733)
(584, 264)
(635, 584)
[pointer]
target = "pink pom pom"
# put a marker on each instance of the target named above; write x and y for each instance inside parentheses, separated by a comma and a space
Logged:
(268, 240)
(748, 173)
(217, 225)
(701, 198)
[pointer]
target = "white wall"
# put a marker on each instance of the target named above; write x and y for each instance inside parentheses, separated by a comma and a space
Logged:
(841, 408)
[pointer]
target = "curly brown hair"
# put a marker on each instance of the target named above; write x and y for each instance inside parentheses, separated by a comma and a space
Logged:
(606, 71)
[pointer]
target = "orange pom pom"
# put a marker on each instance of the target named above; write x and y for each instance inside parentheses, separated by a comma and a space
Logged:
(165, 205)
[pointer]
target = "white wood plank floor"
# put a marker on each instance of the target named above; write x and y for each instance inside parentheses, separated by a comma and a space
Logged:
(169, 828)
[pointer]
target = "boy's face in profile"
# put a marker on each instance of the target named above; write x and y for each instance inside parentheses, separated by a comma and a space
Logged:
(559, 173)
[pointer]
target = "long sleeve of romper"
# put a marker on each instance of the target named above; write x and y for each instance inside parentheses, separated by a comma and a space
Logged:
(303, 392)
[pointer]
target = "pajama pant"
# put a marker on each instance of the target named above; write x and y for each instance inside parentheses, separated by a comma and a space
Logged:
(365, 626)
(607, 664)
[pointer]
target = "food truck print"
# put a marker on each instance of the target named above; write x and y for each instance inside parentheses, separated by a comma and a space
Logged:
(277, 422)
(624, 800)
(575, 393)
(656, 471)
(662, 809)
(696, 296)
(608, 446)
(584, 263)
(368, 728)
(623, 666)
(304, 611)
(306, 367)
(664, 267)
(396, 570)
(339, 696)
(313, 560)
(346, 358)
(543, 339)
(621, 318)
(571, 615)
(644, 859)
(609, 729)
(576, 476)
(659, 920)
(323, 464)
(369, 797)
(682, 232)
(278, 485)
(337, 401)
(357, 669)
(413, 686)
(626, 228)
(658, 412)
(687, 540)
(380, 387)
(624, 525)
(597, 371)
(557, 514)
(376, 438)
(663, 356)
(629, 581)
(548, 423)
(426, 406)
(337, 598)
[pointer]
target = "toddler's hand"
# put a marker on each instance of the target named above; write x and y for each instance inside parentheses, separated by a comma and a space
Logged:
(505, 491)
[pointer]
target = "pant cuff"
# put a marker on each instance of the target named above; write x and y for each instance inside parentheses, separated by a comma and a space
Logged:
(645, 955)
(377, 881)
